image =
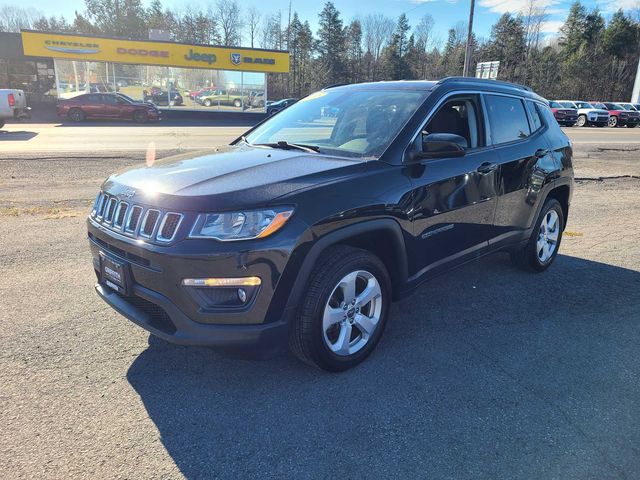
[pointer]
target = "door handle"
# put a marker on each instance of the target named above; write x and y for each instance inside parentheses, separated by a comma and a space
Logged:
(541, 153)
(487, 167)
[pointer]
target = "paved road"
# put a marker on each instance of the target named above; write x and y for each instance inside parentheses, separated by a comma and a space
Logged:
(97, 137)
(485, 373)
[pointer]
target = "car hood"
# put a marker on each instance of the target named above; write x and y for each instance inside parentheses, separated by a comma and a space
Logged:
(593, 110)
(229, 177)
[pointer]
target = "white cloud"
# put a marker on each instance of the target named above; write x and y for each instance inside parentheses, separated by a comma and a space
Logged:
(551, 26)
(611, 6)
(514, 6)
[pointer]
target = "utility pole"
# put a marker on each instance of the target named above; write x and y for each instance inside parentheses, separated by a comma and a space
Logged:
(467, 51)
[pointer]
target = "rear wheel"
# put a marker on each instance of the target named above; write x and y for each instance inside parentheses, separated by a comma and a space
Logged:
(76, 115)
(542, 248)
(1, 123)
(582, 120)
(613, 121)
(630, 125)
(237, 103)
(140, 116)
(344, 312)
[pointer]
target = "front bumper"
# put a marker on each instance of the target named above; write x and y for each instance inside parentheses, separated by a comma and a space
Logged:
(157, 301)
(176, 327)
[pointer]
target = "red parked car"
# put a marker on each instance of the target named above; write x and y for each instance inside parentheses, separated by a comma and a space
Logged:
(564, 116)
(107, 105)
(618, 115)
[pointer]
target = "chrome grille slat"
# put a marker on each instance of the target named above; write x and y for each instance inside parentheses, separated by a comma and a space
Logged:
(134, 218)
(121, 214)
(169, 226)
(149, 223)
(110, 209)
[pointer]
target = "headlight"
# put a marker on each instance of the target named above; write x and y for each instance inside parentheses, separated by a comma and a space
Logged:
(240, 225)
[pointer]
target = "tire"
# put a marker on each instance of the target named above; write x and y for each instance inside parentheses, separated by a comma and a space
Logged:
(314, 337)
(613, 121)
(237, 103)
(76, 115)
(1, 123)
(140, 116)
(207, 103)
(629, 125)
(532, 257)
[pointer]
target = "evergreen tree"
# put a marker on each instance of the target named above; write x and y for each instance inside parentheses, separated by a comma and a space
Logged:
(331, 47)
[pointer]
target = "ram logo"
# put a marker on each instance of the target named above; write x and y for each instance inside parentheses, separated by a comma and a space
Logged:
(236, 58)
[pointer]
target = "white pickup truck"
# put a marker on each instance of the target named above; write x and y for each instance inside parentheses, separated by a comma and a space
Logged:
(13, 104)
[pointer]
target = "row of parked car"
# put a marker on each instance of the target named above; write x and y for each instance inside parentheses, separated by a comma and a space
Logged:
(574, 112)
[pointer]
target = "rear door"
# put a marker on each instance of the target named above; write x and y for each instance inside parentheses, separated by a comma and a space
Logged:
(518, 134)
(454, 199)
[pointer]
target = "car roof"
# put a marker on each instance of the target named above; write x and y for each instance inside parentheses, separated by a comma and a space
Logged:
(449, 83)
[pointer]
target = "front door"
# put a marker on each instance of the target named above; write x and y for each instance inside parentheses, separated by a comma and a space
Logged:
(454, 199)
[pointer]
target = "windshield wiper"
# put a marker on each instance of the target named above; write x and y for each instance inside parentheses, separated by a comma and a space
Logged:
(284, 145)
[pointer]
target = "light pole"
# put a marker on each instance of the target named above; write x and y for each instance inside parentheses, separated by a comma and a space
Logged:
(467, 51)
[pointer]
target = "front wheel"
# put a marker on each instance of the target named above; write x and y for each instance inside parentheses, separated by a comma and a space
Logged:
(629, 125)
(1, 123)
(344, 311)
(237, 103)
(207, 103)
(76, 115)
(613, 121)
(542, 248)
(140, 116)
(582, 121)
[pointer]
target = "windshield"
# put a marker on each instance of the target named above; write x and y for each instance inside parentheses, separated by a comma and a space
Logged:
(627, 106)
(357, 123)
(617, 106)
(567, 104)
(584, 105)
(555, 105)
(125, 98)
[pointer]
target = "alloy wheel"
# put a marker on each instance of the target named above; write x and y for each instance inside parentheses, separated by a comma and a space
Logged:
(548, 236)
(352, 313)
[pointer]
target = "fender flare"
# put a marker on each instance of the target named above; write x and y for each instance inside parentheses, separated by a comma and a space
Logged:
(321, 244)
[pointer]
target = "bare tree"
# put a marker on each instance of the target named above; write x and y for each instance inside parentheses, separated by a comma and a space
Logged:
(377, 31)
(424, 32)
(253, 17)
(533, 17)
(13, 19)
(230, 22)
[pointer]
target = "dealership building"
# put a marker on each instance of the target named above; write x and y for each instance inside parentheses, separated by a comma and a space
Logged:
(49, 66)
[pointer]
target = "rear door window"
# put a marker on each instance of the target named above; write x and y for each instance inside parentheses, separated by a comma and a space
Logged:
(507, 117)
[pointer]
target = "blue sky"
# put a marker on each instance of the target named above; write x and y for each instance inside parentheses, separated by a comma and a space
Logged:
(445, 12)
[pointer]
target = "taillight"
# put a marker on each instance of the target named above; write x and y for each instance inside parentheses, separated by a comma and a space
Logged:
(12, 100)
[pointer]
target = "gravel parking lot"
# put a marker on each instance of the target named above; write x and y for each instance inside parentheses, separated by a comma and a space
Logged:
(486, 372)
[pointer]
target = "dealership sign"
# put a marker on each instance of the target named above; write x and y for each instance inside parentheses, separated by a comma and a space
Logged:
(96, 49)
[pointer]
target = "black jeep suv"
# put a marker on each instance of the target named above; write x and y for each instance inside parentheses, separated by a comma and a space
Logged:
(306, 228)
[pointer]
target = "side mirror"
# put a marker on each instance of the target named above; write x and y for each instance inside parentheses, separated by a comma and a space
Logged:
(441, 145)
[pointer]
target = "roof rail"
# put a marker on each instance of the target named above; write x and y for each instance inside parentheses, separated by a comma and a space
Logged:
(334, 85)
(485, 81)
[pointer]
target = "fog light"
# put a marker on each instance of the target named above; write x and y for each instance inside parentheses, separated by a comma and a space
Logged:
(242, 295)
(222, 282)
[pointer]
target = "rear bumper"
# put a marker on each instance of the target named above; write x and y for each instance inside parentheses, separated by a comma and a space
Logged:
(178, 328)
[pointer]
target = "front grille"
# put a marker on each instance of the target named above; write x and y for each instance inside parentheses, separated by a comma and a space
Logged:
(135, 220)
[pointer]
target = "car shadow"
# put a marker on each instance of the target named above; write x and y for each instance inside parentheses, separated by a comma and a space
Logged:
(16, 136)
(485, 372)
